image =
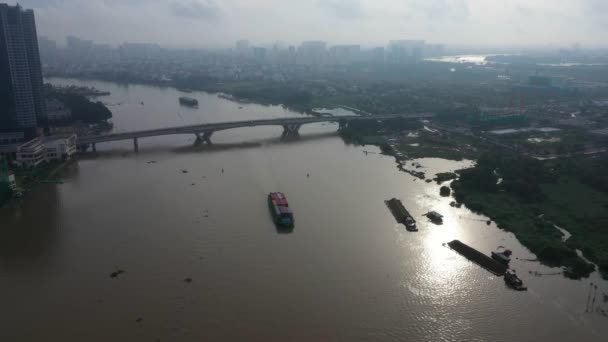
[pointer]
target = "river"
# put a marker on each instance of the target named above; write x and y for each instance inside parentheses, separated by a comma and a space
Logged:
(346, 272)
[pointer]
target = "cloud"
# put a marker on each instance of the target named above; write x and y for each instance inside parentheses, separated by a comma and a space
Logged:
(193, 9)
(344, 9)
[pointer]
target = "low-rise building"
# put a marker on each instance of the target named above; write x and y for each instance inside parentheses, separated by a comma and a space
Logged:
(60, 147)
(46, 149)
(31, 154)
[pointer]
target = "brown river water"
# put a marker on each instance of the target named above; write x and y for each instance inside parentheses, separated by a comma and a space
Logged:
(346, 272)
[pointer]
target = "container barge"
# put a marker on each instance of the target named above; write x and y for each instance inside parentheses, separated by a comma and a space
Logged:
(479, 258)
(279, 209)
(401, 214)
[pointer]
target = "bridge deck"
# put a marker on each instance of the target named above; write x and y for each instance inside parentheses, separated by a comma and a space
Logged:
(213, 127)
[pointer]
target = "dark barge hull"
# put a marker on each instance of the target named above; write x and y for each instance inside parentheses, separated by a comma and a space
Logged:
(398, 210)
(477, 257)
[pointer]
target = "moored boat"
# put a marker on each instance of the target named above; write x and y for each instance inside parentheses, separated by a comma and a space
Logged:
(188, 101)
(435, 217)
(401, 214)
(504, 256)
(513, 280)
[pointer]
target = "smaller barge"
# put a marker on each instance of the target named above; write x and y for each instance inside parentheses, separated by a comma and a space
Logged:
(479, 258)
(401, 214)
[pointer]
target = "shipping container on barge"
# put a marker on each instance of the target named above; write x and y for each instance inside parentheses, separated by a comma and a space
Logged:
(401, 214)
(279, 209)
(477, 257)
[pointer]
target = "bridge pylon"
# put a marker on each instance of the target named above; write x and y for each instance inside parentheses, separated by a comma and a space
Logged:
(342, 124)
(205, 137)
(291, 131)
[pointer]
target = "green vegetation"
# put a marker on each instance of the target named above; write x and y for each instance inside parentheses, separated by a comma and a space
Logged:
(28, 178)
(533, 196)
(445, 177)
(84, 110)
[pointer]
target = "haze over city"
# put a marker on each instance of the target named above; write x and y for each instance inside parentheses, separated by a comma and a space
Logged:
(323, 170)
(215, 23)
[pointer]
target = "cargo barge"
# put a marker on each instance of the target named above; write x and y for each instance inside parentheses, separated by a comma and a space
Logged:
(279, 209)
(401, 214)
(188, 101)
(477, 257)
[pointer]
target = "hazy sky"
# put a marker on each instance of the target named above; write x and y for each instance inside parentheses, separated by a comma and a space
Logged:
(201, 23)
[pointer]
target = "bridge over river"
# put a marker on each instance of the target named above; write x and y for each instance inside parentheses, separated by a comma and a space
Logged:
(203, 132)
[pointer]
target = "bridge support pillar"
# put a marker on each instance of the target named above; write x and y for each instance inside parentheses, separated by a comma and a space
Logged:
(291, 131)
(205, 137)
(135, 145)
(342, 124)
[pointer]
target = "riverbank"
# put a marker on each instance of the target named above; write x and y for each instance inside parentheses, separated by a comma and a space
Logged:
(513, 191)
(530, 198)
(408, 139)
(28, 179)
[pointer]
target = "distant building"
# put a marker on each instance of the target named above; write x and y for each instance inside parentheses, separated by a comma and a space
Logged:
(377, 55)
(79, 47)
(344, 54)
(48, 47)
(140, 51)
(22, 107)
(242, 48)
(57, 111)
(312, 52)
(259, 54)
(404, 51)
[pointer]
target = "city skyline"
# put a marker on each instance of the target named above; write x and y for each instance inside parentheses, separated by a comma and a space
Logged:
(208, 23)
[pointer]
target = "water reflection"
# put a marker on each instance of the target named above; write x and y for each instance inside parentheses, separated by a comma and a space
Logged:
(29, 230)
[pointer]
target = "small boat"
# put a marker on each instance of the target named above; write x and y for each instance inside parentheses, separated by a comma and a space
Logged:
(188, 101)
(504, 256)
(410, 224)
(435, 217)
(513, 281)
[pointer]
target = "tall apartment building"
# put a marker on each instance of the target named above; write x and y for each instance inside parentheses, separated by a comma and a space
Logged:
(22, 106)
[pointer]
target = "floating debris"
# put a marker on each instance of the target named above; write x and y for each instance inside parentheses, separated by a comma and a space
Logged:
(429, 180)
(188, 280)
(222, 170)
(193, 184)
(184, 171)
(138, 320)
(152, 162)
(116, 273)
